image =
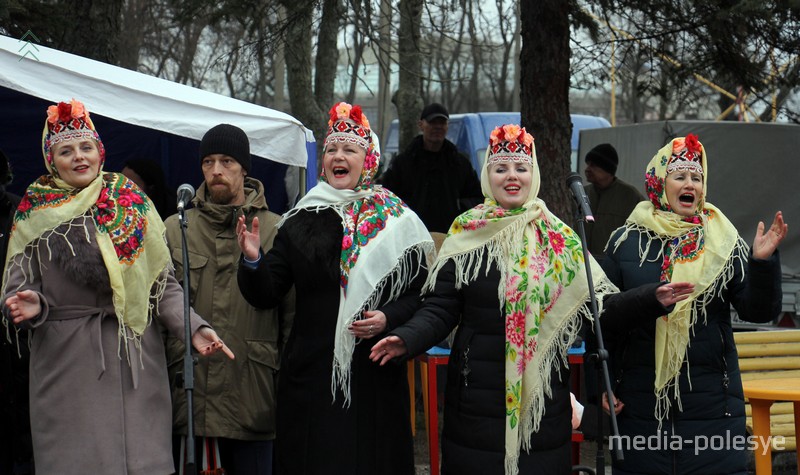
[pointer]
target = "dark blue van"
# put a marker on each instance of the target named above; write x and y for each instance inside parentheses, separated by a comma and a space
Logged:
(470, 133)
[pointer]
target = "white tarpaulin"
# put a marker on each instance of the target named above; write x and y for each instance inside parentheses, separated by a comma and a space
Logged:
(138, 99)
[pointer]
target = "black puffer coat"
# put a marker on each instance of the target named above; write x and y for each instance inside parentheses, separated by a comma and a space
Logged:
(473, 440)
(710, 407)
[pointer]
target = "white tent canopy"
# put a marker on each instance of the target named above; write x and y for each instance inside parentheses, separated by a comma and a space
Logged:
(138, 99)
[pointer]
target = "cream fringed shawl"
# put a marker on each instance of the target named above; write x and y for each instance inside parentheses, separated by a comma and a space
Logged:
(543, 293)
(380, 235)
(703, 249)
(127, 229)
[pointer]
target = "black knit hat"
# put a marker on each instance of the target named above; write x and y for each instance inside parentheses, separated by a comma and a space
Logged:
(605, 157)
(228, 140)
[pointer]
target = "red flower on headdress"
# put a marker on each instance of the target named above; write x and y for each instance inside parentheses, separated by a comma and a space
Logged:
(64, 112)
(693, 145)
(357, 114)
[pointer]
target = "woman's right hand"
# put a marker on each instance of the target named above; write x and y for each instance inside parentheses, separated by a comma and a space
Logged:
(24, 305)
(390, 347)
(618, 405)
(249, 241)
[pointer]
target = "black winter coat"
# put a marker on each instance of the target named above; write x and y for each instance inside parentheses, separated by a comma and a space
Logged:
(316, 434)
(16, 451)
(438, 186)
(473, 439)
(714, 403)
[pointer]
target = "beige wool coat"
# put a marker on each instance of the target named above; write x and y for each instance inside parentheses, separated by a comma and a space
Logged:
(96, 406)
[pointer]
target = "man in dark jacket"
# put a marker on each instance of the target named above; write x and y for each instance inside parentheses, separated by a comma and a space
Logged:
(16, 452)
(610, 198)
(234, 400)
(432, 176)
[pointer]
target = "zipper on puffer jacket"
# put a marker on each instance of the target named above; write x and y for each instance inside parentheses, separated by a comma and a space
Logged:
(466, 370)
(726, 382)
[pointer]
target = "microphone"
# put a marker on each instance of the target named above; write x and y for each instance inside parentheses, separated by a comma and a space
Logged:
(185, 195)
(575, 184)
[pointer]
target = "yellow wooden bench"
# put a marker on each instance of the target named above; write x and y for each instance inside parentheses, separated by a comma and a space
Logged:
(768, 355)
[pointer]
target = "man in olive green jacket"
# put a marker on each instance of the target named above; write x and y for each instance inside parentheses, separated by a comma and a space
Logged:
(234, 400)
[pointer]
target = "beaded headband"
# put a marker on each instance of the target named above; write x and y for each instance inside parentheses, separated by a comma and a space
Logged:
(67, 121)
(687, 155)
(348, 124)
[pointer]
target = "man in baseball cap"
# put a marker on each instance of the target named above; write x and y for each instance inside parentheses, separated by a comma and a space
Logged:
(431, 175)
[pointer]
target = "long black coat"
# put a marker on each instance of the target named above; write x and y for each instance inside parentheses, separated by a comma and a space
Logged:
(473, 439)
(315, 434)
(710, 407)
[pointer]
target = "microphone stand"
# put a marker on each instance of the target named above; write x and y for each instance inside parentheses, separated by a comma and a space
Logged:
(190, 468)
(600, 358)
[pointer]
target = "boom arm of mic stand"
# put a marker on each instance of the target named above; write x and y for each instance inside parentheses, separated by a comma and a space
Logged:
(188, 357)
(602, 356)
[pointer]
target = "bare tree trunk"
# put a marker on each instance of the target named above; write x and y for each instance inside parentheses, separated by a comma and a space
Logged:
(279, 69)
(327, 54)
(133, 25)
(185, 61)
(384, 78)
(304, 105)
(407, 99)
(544, 87)
(474, 96)
(361, 11)
(515, 95)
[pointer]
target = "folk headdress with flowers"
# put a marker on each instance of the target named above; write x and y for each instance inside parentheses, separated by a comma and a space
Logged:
(687, 155)
(379, 235)
(510, 143)
(67, 121)
(542, 287)
(702, 249)
(128, 231)
(348, 124)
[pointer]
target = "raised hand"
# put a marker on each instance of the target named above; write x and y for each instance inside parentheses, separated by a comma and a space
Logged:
(764, 244)
(249, 241)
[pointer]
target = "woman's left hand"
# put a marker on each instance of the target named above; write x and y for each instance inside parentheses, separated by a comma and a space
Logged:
(207, 342)
(765, 244)
(373, 323)
(673, 292)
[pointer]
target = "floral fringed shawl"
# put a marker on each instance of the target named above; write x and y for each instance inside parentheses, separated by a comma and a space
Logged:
(703, 249)
(128, 231)
(543, 294)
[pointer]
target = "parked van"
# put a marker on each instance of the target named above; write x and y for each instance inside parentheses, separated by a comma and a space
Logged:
(470, 133)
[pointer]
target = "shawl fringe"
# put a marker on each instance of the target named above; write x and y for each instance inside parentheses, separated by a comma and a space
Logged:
(397, 280)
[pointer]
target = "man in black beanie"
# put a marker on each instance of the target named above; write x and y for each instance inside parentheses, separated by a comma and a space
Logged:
(234, 400)
(610, 198)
